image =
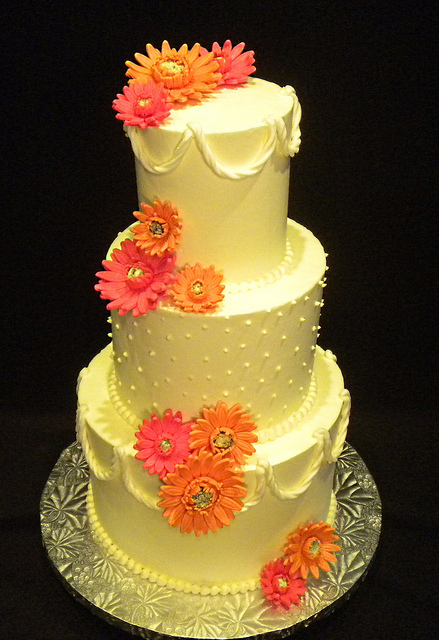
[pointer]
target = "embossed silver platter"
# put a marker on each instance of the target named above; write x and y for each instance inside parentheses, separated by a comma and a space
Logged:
(148, 610)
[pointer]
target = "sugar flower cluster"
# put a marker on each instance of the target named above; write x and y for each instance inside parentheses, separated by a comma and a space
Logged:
(198, 462)
(141, 271)
(169, 78)
(309, 549)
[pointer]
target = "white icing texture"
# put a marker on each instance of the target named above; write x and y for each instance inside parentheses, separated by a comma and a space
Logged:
(257, 349)
(225, 165)
(166, 581)
(289, 483)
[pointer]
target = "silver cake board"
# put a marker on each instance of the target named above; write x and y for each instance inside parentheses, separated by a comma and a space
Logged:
(142, 608)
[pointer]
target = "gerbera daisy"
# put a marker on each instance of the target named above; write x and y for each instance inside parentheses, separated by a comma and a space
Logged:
(198, 289)
(234, 66)
(202, 494)
(133, 280)
(142, 105)
(280, 586)
(162, 444)
(186, 74)
(311, 548)
(159, 229)
(228, 432)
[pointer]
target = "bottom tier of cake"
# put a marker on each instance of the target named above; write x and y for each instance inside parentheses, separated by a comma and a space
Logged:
(288, 480)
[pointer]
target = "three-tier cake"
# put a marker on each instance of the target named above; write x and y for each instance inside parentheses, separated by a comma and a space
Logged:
(212, 422)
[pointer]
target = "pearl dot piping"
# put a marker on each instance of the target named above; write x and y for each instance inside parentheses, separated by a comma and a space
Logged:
(264, 435)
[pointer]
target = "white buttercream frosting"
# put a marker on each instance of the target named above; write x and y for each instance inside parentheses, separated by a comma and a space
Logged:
(167, 581)
(256, 105)
(289, 483)
(224, 164)
(256, 349)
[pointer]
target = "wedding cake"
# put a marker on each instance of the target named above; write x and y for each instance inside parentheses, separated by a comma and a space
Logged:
(212, 422)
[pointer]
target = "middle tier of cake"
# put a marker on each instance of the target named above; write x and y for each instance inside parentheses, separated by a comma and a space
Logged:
(256, 350)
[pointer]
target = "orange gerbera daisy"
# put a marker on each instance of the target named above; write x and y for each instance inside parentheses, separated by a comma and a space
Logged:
(311, 548)
(198, 289)
(224, 431)
(202, 494)
(159, 229)
(186, 74)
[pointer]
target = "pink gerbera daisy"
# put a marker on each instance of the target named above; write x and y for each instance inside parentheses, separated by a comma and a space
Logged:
(142, 105)
(162, 444)
(280, 586)
(234, 66)
(133, 280)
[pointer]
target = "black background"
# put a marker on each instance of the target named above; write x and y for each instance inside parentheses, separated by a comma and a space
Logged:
(364, 181)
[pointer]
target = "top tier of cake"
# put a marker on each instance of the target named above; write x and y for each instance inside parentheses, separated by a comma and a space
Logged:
(225, 165)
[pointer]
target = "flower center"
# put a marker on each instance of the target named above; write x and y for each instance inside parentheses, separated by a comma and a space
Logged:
(139, 276)
(202, 499)
(201, 493)
(282, 582)
(314, 547)
(144, 106)
(156, 228)
(172, 67)
(223, 441)
(197, 287)
(165, 445)
(135, 272)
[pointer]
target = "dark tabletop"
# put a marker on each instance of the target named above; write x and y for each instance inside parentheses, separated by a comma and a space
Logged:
(365, 183)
